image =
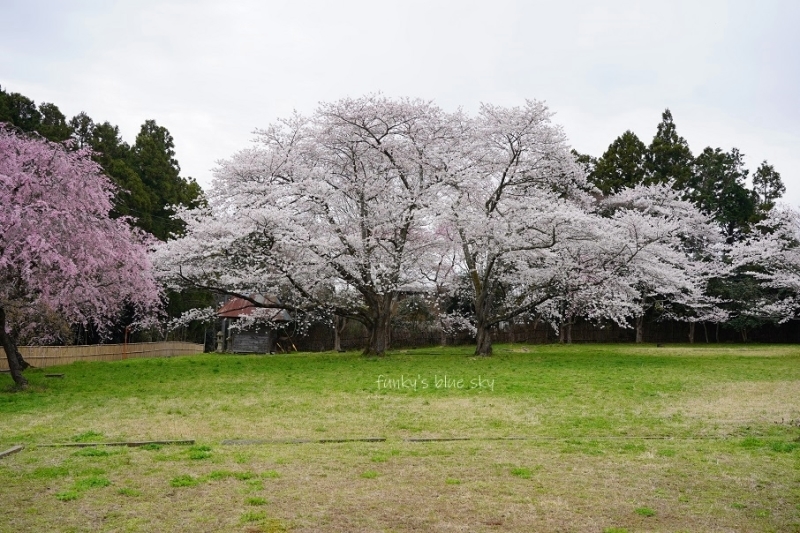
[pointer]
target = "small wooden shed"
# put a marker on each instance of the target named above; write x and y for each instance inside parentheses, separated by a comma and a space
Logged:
(254, 339)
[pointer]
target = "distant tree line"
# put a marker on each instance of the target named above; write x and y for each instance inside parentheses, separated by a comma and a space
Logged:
(715, 180)
(487, 221)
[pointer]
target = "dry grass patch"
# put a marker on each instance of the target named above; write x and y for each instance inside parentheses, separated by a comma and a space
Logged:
(741, 403)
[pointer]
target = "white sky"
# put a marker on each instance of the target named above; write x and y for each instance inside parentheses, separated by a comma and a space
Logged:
(212, 71)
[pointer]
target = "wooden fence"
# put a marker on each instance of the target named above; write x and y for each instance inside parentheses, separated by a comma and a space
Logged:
(41, 356)
(320, 336)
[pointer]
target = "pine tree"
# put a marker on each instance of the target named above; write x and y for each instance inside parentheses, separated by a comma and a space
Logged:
(718, 187)
(668, 156)
(153, 159)
(621, 166)
(767, 186)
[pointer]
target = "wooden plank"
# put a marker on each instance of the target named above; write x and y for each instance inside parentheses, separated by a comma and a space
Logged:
(126, 443)
(366, 439)
(437, 439)
(246, 442)
(13, 449)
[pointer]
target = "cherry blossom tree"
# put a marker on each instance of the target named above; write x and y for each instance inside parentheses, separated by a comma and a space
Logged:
(517, 197)
(332, 212)
(771, 255)
(670, 250)
(60, 252)
(630, 258)
(588, 283)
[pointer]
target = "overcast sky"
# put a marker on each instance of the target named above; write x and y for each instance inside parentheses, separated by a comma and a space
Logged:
(213, 71)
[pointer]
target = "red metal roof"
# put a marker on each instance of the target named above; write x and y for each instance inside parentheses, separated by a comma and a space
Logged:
(236, 307)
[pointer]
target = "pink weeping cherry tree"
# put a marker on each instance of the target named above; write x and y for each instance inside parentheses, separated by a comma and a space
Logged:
(60, 252)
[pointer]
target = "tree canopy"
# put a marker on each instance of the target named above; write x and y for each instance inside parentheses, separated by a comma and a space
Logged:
(146, 175)
(668, 159)
(343, 213)
(332, 210)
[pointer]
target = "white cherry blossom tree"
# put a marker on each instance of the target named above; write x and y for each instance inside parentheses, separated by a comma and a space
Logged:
(771, 254)
(633, 257)
(515, 199)
(340, 212)
(332, 212)
(671, 252)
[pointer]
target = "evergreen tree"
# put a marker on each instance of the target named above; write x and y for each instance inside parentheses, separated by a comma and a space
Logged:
(82, 128)
(153, 159)
(767, 186)
(621, 166)
(587, 162)
(115, 156)
(668, 156)
(20, 111)
(718, 187)
(53, 124)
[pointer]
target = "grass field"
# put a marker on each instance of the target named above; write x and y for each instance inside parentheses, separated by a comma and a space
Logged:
(604, 438)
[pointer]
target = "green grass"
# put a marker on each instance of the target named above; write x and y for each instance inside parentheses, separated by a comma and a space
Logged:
(253, 516)
(199, 452)
(689, 438)
(185, 480)
(524, 473)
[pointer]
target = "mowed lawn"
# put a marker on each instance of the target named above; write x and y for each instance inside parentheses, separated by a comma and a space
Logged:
(604, 438)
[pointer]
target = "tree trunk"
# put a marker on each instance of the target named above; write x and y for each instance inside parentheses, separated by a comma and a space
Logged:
(705, 330)
(23, 364)
(483, 335)
(381, 317)
(639, 329)
(338, 328)
(691, 332)
(12, 355)
(569, 332)
(484, 340)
